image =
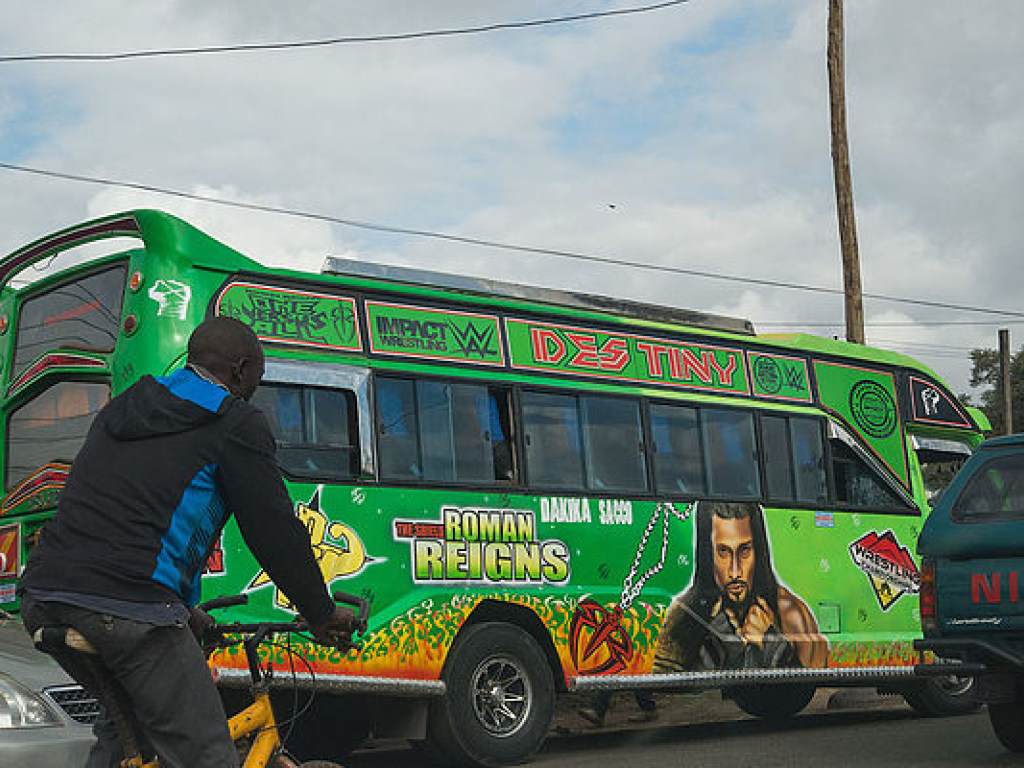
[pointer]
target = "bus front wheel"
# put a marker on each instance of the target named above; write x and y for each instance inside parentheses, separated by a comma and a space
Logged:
(499, 698)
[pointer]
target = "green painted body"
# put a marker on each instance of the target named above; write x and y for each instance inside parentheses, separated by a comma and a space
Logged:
(563, 562)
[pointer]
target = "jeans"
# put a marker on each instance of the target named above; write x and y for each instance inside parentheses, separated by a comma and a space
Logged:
(161, 678)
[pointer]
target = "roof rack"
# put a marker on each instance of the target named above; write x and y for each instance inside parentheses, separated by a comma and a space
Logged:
(483, 287)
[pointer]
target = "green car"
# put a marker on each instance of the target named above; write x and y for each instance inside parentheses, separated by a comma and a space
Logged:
(972, 580)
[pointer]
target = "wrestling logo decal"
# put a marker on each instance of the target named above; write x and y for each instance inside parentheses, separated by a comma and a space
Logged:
(888, 566)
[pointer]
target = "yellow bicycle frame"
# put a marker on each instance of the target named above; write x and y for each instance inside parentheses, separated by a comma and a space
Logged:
(257, 718)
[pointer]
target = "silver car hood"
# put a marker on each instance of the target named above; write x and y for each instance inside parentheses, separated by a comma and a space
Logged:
(22, 661)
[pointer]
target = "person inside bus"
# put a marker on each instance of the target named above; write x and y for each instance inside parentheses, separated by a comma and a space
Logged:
(736, 615)
(164, 465)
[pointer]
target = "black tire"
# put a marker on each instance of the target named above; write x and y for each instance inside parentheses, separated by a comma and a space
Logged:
(943, 696)
(1008, 723)
(773, 702)
(330, 729)
(499, 701)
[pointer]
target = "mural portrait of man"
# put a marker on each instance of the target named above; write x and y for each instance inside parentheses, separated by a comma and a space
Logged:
(736, 615)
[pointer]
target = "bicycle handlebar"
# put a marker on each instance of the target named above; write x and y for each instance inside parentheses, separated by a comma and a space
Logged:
(263, 628)
(227, 601)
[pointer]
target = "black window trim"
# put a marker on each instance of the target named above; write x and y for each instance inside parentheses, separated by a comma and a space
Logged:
(361, 379)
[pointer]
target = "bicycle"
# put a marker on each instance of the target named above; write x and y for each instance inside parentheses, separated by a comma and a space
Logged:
(255, 722)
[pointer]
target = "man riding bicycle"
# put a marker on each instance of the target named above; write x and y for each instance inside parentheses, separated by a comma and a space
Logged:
(163, 467)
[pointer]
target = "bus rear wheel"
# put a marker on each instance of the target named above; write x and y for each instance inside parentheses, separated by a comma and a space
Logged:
(499, 700)
(943, 696)
(772, 702)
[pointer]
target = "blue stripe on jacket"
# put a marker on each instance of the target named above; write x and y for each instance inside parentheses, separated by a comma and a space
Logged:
(197, 519)
(187, 385)
(201, 511)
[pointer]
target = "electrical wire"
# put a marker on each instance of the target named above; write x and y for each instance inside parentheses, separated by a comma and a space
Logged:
(881, 324)
(332, 41)
(462, 239)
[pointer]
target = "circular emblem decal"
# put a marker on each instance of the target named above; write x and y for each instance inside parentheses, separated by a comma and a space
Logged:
(873, 408)
(768, 375)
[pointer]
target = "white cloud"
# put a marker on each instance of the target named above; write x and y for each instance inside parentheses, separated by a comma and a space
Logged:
(694, 137)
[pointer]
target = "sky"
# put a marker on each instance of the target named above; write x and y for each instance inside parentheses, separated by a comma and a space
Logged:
(692, 137)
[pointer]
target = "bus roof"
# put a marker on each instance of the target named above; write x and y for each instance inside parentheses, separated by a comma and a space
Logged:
(483, 287)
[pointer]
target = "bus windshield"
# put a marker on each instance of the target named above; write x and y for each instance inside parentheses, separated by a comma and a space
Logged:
(81, 314)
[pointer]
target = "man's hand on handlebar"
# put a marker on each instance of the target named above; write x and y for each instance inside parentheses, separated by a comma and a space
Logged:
(337, 629)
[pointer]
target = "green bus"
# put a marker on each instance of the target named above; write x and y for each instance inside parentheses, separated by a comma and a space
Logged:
(537, 491)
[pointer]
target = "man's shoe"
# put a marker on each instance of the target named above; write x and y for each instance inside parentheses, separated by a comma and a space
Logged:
(592, 716)
(644, 716)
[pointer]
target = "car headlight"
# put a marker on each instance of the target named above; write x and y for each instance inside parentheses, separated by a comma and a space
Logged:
(21, 708)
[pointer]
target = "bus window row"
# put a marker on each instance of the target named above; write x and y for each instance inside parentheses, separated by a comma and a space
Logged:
(430, 431)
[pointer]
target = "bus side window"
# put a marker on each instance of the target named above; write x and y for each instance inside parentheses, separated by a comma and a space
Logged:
(396, 430)
(678, 456)
(778, 458)
(809, 460)
(554, 445)
(454, 437)
(282, 405)
(731, 453)
(314, 428)
(794, 459)
(614, 444)
(444, 432)
(857, 484)
(499, 419)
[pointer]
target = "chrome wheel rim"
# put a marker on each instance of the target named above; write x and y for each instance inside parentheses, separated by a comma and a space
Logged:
(502, 695)
(952, 685)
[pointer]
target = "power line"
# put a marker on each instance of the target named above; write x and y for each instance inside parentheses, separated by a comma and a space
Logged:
(882, 324)
(465, 240)
(920, 345)
(325, 42)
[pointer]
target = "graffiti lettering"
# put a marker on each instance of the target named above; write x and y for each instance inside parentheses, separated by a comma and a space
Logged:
(290, 316)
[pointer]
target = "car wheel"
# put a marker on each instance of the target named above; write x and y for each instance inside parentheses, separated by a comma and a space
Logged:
(499, 698)
(1008, 723)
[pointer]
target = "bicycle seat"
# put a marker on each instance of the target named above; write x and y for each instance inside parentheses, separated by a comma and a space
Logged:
(46, 638)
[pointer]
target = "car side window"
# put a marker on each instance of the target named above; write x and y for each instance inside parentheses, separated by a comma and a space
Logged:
(996, 490)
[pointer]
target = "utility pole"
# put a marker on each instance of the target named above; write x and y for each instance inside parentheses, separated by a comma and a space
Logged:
(841, 171)
(1004, 379)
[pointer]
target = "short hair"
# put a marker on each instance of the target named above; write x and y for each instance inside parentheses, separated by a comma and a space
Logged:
(222, 341)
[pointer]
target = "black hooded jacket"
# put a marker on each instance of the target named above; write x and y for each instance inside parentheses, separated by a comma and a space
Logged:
(164, 465)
